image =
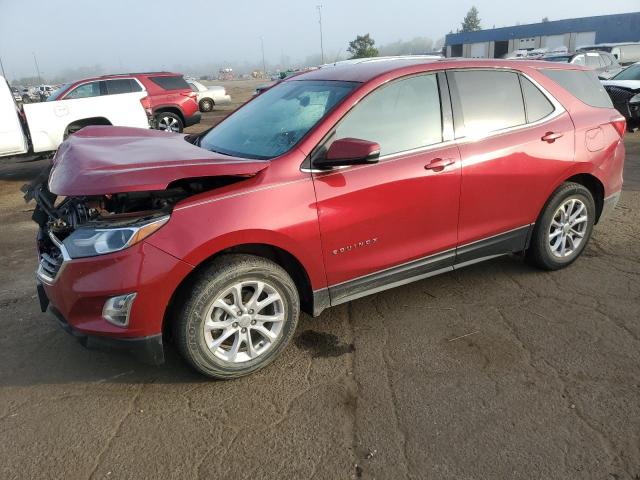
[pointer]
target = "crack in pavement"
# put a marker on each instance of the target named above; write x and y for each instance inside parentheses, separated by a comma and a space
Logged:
(572, 405)
(116, 431)
(394, 399)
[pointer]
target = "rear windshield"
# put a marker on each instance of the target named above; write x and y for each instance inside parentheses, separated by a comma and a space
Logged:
(629, 73)
(171, 82)
(583, 84)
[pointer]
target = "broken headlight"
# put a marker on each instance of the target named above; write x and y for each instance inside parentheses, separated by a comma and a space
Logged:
(89, 241)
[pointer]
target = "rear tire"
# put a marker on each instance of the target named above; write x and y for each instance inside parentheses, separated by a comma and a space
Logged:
(169, 122)
(206, 105)
(222, 328)
(563, 228)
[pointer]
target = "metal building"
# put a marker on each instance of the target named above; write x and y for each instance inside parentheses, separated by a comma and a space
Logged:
(571, 34)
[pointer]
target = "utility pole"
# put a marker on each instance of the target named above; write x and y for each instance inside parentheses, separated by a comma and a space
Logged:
(319, 7)
(264, 64)
(35, 60)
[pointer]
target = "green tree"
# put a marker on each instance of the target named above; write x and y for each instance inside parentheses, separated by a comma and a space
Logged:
(471, 22)
(545, 19)
(363, 46)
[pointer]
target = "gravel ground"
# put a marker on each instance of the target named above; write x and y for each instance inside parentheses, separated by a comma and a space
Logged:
(494, 371)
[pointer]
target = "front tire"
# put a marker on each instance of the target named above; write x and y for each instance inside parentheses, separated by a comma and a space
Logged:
(563, 228)
(206, 105)
(237, 317)
(169, 122)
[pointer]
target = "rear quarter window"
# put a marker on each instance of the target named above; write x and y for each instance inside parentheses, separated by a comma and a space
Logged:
(175, 82)
(582, 84)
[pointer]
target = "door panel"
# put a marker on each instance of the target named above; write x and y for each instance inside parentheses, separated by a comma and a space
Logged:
(512, 152)
(378, 216)
(506, 178)
(389, 216)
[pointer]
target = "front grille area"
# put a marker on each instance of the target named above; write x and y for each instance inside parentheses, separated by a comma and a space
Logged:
(620, 98)
(50, 264)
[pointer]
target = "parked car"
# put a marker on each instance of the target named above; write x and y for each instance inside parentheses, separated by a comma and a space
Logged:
(624, 90)
(29, 95)
(15, 91)
(208, 97)
(44, 91)
(169, 99)
(625, 53)
(604, 63)
(41, 127)
(303, 199)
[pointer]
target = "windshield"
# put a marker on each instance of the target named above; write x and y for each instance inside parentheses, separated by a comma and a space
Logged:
(629, 73)
(275, 121)
(564, 59)
(59, 91)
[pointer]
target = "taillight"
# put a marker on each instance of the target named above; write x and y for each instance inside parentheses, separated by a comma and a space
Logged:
(146, 104)
(620, 124)
(189, 94)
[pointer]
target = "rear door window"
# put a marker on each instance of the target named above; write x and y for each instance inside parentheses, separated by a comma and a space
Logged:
(583, 84)
(485, 101)
(537, 104)
(122, 85)
(400, 116)
(171, 82)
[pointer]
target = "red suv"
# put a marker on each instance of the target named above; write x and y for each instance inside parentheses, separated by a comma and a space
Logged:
(333, 185)
(170, 101)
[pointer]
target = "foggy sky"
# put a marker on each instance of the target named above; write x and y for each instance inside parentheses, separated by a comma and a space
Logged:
(127, 35)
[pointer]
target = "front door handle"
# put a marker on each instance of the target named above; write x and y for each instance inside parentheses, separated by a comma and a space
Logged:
(438, 164)
(551, 137)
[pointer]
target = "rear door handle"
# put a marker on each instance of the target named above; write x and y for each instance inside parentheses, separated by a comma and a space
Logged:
(438, 164)
(551, 137)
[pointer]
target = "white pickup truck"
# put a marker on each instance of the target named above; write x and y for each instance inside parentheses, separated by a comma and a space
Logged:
(41, 127)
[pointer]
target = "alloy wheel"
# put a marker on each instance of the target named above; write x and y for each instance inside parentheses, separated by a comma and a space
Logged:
(168, 124)
(568, 228)
(244, 322)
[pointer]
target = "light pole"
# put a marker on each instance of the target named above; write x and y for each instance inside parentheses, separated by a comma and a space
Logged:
(264, 65)
(319, 7)
(35, 60)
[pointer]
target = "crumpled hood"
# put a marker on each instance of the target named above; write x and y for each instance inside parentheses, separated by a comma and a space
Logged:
(99, 160)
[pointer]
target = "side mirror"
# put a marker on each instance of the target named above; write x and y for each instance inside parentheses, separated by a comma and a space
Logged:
(349, 151)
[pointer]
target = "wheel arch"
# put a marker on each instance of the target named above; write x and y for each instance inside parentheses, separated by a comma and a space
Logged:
(276, 254)
(594, 185)
(85, 122)
(172, 109)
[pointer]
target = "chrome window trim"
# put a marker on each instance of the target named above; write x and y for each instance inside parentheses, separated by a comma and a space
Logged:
(101, 80)
(558, 109)
(356, 102)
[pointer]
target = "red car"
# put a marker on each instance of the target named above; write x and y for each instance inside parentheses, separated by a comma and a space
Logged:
(170, 101)
(333, 185)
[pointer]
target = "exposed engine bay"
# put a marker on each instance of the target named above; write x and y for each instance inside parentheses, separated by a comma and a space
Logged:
(61, 216)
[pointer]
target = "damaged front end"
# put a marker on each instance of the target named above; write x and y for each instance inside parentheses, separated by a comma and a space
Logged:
(86, 226)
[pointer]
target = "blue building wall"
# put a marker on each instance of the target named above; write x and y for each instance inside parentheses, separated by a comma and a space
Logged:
(624, 27)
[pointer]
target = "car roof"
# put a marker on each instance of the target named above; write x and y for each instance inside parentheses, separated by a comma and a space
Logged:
(368, 69)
